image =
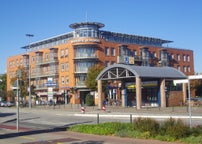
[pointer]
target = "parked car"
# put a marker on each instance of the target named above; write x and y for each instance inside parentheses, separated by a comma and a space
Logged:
(4, 104)
(9, 104)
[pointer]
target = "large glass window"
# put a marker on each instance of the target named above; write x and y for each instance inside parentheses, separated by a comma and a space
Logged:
(164, 55)
(86, 32)
(80, 80)
(86, 51)
(83, 66)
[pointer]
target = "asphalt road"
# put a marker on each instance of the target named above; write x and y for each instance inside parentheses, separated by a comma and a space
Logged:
(46, 122)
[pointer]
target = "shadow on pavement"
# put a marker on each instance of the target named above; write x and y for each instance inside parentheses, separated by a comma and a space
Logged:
(6, 114)
(32, 132)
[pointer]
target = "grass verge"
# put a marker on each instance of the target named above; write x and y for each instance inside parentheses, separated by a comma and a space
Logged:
(145, 128)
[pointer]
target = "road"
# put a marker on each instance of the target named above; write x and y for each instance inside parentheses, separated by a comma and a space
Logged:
(43, 123)
(49, 118)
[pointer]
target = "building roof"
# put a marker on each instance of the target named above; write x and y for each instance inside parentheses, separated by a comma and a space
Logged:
(118, 71)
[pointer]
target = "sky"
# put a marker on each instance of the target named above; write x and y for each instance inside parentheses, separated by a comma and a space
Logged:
(177, 20)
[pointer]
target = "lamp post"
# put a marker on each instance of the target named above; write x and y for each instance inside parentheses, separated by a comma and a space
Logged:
(29, 70)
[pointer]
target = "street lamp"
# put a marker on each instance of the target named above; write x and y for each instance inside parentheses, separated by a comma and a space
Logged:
(29, 69)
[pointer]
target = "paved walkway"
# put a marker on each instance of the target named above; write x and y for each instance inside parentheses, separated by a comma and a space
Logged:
(67, 137)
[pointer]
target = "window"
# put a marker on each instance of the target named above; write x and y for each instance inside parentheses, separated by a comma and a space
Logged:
(178, 67)
(113, 62)
(188, 58)
(172, 56)
(62, 67)
(184, 58)
(106, 51)
(66, 52)
(67, 66)
(67, 80)
(63, 81)
(62, 53)
(107, 63)
(178, 57)
(185, 69)
(112, 52)
(188, 68)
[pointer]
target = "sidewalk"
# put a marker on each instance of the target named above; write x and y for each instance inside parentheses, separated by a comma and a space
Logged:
(68, 137)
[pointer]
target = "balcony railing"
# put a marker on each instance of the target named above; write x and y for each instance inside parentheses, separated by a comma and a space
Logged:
(44, 74)
(47, 61)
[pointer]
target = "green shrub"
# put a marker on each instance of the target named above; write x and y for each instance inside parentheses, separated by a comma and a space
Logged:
(192, 139)
(110, 128)
(196, 131)
(89, 100)
(150, 126)
(174, 128)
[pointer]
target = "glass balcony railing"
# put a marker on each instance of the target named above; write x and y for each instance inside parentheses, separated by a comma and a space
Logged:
(47, 61)
(44, 74)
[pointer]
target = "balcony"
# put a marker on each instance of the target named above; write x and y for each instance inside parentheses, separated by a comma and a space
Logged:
(44, 74)
(47, 61)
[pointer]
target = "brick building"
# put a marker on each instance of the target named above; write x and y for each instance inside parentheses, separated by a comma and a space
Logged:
(59, 64)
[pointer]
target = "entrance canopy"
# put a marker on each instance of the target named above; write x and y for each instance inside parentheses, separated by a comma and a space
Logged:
(120, 71)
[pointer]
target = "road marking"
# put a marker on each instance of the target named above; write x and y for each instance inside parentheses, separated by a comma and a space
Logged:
(136, 116)
(28, 137)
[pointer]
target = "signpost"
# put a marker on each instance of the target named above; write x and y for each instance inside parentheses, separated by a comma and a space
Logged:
(191, 77)
(17, 102)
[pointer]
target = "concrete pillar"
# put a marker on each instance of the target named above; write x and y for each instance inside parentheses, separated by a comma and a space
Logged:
(138, 93)
(124, 98)
(184, 91)
(100, 98)
(162, 93)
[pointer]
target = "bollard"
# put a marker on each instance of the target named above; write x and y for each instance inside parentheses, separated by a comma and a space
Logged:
(82, 110)
(98, 118)
(131, 118)
(103, 108)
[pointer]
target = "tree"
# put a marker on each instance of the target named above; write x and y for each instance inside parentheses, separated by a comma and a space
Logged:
(3, 81)
(92, 74)
(23, 83)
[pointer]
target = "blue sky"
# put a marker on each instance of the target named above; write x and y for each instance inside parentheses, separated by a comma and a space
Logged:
(176, 20)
